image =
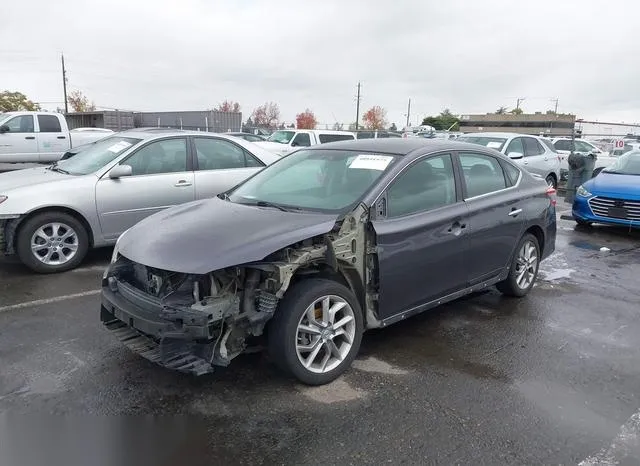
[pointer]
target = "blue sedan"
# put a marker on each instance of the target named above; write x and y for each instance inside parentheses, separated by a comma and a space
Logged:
(613, 196)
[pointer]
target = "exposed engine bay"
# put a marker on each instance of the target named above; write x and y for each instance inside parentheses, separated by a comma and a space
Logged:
(195, 322)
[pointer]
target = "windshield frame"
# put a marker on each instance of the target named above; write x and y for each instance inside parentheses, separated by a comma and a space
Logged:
(370, 192)
(108, 165)
(620, 159)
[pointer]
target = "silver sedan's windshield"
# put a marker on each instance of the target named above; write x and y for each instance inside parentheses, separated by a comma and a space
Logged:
(317, 180)
(96, 155)
(627, 164)
(493, 143)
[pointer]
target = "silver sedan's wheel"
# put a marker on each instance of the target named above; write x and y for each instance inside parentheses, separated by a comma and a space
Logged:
(316, 331)
(527, 265)
(325, 334)
(54, 243)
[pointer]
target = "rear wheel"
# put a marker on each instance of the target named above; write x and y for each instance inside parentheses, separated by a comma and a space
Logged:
(52, 242)
(316, 332)
(552, 181)
(524, 268)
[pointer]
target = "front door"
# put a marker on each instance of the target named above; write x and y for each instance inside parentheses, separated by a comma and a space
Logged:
(161, 178)
(495, 220)
(52, 142)
(19, 144)
(422, 239)
(220, 165)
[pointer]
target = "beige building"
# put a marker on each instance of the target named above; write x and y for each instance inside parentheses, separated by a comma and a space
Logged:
(545, 124)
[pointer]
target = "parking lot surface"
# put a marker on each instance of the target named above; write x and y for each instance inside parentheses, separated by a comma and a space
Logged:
(550, 379)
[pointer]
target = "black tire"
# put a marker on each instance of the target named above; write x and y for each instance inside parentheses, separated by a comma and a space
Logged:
(31, 225)
(582, 223)
(283, 329)
(509, 286)
(552, 180)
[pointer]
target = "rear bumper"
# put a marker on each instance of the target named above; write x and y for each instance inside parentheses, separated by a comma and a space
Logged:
(169, 338)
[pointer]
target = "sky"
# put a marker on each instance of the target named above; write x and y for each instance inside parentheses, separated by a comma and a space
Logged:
(471, 56)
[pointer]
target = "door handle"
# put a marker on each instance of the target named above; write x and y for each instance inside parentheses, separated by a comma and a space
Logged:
(182, 183)
(30, 137)
(515, 212)
(62, 137)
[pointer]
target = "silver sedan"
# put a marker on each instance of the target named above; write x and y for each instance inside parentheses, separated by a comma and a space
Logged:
(51, 216)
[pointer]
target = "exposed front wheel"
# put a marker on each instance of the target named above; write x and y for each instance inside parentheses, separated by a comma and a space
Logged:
(524, 268)
(316, 332)
(52, 242)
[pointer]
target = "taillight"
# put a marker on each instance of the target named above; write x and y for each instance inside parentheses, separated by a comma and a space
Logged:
(551, 192)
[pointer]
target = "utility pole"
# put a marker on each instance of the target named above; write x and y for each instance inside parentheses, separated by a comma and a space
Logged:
(408, 113)
(64, 86)
(518, 102)
(358, 106)
(556, 108)
(555, 115)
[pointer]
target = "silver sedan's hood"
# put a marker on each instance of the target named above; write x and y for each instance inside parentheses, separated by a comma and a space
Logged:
(28, 178)
(203, 236)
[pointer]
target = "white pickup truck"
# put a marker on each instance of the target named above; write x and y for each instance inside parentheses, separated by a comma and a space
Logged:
(283, 141)
(41, 137)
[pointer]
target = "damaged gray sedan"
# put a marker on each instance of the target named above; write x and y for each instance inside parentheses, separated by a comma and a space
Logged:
(322, 245)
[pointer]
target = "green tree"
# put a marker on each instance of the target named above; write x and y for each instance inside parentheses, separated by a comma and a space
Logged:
(445, 121)
(16, 101)
(516, 111)
(501, 111)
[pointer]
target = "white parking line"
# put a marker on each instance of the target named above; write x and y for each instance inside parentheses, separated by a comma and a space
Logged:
(40, 302)
(625, 446)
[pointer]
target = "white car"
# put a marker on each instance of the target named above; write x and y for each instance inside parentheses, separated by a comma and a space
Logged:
(563, 146)
(283, 141)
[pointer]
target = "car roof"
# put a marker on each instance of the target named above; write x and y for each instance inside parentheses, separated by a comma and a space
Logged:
(496, 134)
(397, 146)
(152, 133)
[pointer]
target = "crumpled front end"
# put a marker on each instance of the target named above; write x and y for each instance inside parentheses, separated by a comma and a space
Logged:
(189, 323)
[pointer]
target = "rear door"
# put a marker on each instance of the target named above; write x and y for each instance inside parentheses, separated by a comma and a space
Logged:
(422, 238)
(496, 215)
(162, 177)
(536, 159)
(220, 164)
(52, 141)
(19, 144)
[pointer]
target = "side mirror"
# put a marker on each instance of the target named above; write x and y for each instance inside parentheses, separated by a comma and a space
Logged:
(294, 144)
(119, 171)
(4, 129)
(515, 155)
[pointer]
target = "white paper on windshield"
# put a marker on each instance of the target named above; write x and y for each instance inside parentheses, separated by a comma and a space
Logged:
(119, 147)
(371, 162)
(494, 144)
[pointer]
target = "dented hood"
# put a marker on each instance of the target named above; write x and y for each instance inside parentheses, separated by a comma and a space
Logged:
(203, 236)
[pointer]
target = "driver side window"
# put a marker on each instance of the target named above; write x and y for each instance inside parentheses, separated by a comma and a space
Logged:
(425, 185)
(301, 140)
(515, 146)
(166, 156)
(20, 124)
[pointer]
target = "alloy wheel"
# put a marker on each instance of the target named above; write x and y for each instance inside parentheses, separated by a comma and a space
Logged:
(54, 243)
(325, 334)
(527, 265)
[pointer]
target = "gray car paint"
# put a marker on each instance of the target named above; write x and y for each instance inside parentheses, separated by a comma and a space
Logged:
(208, 235)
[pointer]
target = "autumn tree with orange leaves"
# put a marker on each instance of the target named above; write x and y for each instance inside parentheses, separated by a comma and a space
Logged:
(267, 115)
(306, 120)
(375, 118)
(228, 106)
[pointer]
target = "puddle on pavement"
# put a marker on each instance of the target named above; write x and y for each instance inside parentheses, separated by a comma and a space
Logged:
(585, 245)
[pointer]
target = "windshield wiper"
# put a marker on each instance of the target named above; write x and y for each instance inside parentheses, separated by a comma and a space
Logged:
(271, 204)
(223, 196)
(54, 168)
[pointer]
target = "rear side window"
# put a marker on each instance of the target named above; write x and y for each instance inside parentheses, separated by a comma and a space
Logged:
(49, 124)
(549, 145)
(334, 137)
(482, 173)
(532, 147)
(562, 144)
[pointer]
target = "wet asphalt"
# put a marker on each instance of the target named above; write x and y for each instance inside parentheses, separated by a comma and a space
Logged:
(550, 379)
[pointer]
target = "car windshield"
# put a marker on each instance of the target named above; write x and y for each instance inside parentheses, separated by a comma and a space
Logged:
(626, 164)
(317, 180)
(95, 156)
(492, 142)
(282, 137)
